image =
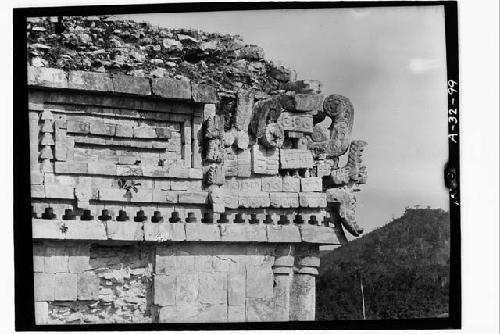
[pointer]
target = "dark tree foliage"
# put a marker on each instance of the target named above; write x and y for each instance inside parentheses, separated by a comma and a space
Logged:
(404, 267)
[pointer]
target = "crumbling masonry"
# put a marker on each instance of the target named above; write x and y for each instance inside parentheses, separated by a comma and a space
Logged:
(179, 197)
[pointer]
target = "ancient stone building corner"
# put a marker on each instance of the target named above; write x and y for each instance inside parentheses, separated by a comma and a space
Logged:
(163, 199)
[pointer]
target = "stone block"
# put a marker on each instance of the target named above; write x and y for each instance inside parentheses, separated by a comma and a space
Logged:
(319, 235)
(60, 121)
(102, 168)
(296, 123)
(221, 263)
(84, 193)
(249, 185)
(47, 140)
(244, 109)
(71, 167)
(113, 194)
(38, 258)
(163, 132)
(284, 260)
(165, 260)
(44, 286)
(231, 200)
(312, 260)
(283, 233)
(272, 184)
(179, 185)
(203, 263)
(291, 184)
(73, 126)
(230, 163)
(209, 110)
(323, 168)
(144, 132)
(47, 229)
(143, 195)
(47, 77)
(264, 160)
(212, 313)
(259, 282)
(185, 262)
(124, 131)
(202, 232)
(88, 286)
(195, 173)
(203, 93)
(188, 313)
(236, 289)
(309, 184)
(122, 170)
(165, 289)
(64, 146)
(37, 191)
(259, 309)
(236, 313)
(46, 153)
(171, 88)
(215, 175)
(244, 160)
(90, 81)
(254, 200)
(243, 232)
(284, 200)
(304, 86)
(160, 232)
(36, 177)
(98, 127)
(193, 197)
(308, 271)
(303, 298)
(41, 313)
(126, 231)
(242, 139)
(162, 184)
(213, 287)
(56, 259)
(66, 287)
(295, 159)
(302, 102)
(281, 311)
(78, 258)
(195, 185)
(161, 196)
(92, 140)
(85, 230)
(126, 160)
(308, 102)
(312, 200)
(131, 85)
(187, 288)
(59, 191)
(232, 185)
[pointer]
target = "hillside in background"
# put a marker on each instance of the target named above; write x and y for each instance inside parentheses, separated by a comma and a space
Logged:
(404, 267)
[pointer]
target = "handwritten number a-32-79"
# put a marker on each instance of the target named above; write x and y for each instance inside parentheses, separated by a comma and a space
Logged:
(452, 111)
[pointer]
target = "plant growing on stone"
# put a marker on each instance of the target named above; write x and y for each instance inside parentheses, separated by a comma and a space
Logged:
(128, 185)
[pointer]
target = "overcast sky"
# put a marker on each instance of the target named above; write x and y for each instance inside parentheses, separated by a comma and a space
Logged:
(390, 62)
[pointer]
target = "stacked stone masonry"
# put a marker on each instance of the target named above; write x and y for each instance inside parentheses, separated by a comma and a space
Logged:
(165, 199)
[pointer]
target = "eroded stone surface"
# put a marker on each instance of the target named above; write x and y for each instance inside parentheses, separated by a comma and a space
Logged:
(162, 192)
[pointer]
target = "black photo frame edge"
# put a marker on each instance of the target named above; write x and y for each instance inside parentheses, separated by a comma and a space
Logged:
(23, 252)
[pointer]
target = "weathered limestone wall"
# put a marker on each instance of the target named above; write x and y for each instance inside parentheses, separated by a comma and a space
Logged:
(79, 282)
